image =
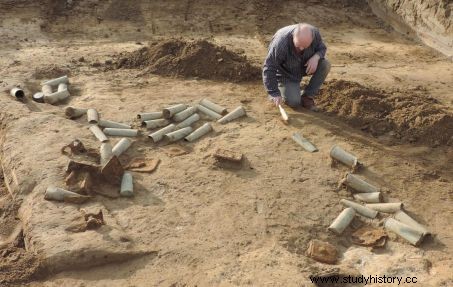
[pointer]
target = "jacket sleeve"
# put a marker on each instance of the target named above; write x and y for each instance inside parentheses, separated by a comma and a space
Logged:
(271, 64)
(320, 47)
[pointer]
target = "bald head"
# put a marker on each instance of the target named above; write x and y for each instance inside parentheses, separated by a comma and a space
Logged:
(303, 36)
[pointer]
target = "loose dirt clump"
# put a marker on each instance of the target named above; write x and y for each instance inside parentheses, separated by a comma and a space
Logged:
(17, 265)
(405, 117)
(190, 59)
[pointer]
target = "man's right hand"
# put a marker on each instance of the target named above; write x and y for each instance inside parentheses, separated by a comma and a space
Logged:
(277, 100)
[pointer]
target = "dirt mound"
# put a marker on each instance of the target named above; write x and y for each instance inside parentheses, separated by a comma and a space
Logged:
(190, 59)
(50, 72)
(408, 117)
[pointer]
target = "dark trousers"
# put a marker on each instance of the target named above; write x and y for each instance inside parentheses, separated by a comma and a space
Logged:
(291, 91)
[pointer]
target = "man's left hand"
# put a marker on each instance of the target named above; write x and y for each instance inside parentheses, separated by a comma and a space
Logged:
(312, 64)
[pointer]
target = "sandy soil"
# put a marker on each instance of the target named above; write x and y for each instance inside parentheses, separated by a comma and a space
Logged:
(208, 226)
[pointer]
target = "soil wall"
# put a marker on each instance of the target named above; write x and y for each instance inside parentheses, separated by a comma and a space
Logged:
(430, 21)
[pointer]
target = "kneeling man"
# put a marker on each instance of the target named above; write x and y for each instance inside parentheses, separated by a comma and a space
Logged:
(295, 51)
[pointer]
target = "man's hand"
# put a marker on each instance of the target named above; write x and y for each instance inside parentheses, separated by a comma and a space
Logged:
(277, 100)
(312, 64)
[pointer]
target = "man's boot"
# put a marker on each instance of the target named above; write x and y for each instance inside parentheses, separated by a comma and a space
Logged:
(309, 103)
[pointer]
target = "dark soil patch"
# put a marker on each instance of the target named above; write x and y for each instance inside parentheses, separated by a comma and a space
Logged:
(406, 116)
(189, 59)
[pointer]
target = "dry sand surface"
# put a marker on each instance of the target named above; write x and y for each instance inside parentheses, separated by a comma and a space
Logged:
(388, 100)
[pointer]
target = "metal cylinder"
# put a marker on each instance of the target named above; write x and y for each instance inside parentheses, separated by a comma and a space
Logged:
(213, 107)
(149, 116)
(158, 135)
(305, 143)
(365, 211)
(371, 197)
(74, 113)
(46, 90)
(170, 111)
(112, 124)
(62, 87)
(389, 207)
(198, 133)
(106, 152)
(98, 134)
(208, 112)
(121, 146)
(234, 114)
(358, 184)
(343, 156)
(178, 134)
(154, 124)
(401, 216)
(92, 116)
(342, 221)
(127, 185)
(57, 81)
(18, 93)
(189, 121)
(60, 194)
(38, 97)
(121, 132)
(412, 235)
(184, 114)
(56, 97)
